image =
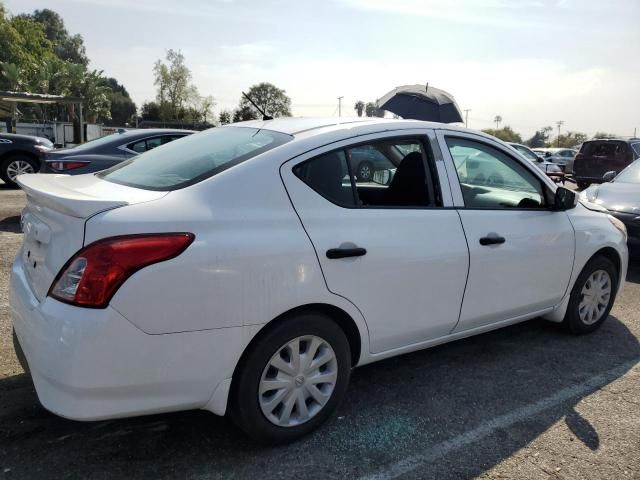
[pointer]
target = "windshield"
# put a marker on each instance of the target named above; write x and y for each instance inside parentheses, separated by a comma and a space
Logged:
(194, 158)
(631, 174)
(526, 152)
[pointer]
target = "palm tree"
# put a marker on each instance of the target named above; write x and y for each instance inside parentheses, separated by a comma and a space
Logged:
(359, 107)
(498, 120)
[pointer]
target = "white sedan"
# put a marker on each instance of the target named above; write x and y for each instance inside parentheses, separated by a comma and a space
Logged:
(245, 270)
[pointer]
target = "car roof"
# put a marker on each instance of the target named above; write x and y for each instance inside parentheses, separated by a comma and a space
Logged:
(18, 136)
(316, 125)
(152, 131)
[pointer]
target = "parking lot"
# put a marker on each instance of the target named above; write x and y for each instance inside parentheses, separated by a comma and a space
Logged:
(528, 401)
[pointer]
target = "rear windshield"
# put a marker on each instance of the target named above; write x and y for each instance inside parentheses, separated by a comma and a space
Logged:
(636, 147)
(603, 149)
(192, 159)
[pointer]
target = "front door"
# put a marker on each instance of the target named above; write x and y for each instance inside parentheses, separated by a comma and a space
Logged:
(384, 242)
(521, 252)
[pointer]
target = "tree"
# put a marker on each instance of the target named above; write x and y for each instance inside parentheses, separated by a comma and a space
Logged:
(67, 47)
(604, 135)
(506, 134)
(23, 49)
(272, 100)
(359, 107)
(370, 109)
(150, 111)
(224, 117)
(540, 138)
(571, 139)
(498, 120)
(177, 98)
(173, 82)
(123, 110)
(245, 112)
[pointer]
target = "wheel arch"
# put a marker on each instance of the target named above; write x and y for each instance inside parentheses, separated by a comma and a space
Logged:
(14, 153)
(611, 254)
(557, 315)
(342, 318)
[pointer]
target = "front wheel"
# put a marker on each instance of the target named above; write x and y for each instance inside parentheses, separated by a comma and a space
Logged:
(292, 379)
(592, 296)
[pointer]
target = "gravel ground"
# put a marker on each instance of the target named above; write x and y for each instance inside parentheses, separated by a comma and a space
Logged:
(524, 402)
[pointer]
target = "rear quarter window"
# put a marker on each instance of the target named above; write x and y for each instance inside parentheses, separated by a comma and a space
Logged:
(193, 159)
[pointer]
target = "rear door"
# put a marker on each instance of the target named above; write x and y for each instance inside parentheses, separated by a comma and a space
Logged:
(390, 245)
(521, 252)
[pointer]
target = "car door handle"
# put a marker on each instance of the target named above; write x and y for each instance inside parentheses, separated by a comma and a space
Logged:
(493, 240)
(334, 253)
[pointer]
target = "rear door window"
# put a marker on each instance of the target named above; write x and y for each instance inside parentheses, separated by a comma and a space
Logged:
(390, 173)
(193, 159)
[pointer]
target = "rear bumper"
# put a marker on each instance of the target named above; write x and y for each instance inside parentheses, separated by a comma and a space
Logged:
(90, 364)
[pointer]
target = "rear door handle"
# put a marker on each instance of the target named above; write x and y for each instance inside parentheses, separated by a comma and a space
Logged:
(493, 240)
(334, 253)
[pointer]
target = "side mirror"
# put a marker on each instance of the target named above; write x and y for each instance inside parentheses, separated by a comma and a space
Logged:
(539, 159)
(564, 199)
(607, 177)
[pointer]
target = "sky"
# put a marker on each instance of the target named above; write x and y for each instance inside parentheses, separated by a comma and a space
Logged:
(533, 62)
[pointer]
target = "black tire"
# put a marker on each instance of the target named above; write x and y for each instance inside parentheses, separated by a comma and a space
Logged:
(4, 167)
(244, 406)
(582, 184)
(572, 321)
(365, 171)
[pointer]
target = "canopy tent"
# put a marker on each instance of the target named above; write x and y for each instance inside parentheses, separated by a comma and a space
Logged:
(8, 101)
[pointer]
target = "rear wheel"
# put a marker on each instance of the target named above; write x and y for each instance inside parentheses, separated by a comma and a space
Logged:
(292, 379)
(592, 296)
(17, 165)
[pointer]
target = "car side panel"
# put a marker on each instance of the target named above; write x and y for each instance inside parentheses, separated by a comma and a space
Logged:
(250, 262)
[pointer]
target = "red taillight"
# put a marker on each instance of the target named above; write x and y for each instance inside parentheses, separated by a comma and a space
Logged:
(94, 274)
(65, 166)
(579, 156)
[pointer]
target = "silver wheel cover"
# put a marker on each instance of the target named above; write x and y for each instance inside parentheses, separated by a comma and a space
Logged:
(594, 297)
(18, 167)
(298, 381)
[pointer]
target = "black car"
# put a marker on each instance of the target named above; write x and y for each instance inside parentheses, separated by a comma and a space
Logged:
(597, 157)
(21, 154)
(104, 152)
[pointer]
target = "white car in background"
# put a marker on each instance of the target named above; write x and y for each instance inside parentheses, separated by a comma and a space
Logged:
(244, 270)
(559, 156)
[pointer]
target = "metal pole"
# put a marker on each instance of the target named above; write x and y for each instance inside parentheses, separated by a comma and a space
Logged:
(81, 124)
(340, 106)
(466, 117)
(559, 123)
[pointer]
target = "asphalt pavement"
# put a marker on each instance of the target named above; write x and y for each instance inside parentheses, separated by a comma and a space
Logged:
(524, 402)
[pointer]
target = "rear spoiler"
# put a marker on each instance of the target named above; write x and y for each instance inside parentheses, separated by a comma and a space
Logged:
(80, 196)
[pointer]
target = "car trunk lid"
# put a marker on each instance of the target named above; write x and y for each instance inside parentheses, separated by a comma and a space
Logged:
(54, 217)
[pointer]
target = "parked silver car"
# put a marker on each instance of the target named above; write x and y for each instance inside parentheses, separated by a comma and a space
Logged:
(620, 195)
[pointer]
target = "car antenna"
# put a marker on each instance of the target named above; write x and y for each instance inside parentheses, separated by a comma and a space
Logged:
(264, 115)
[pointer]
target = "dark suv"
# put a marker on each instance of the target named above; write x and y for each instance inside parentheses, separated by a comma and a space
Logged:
(21, 154)
(597, 157)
